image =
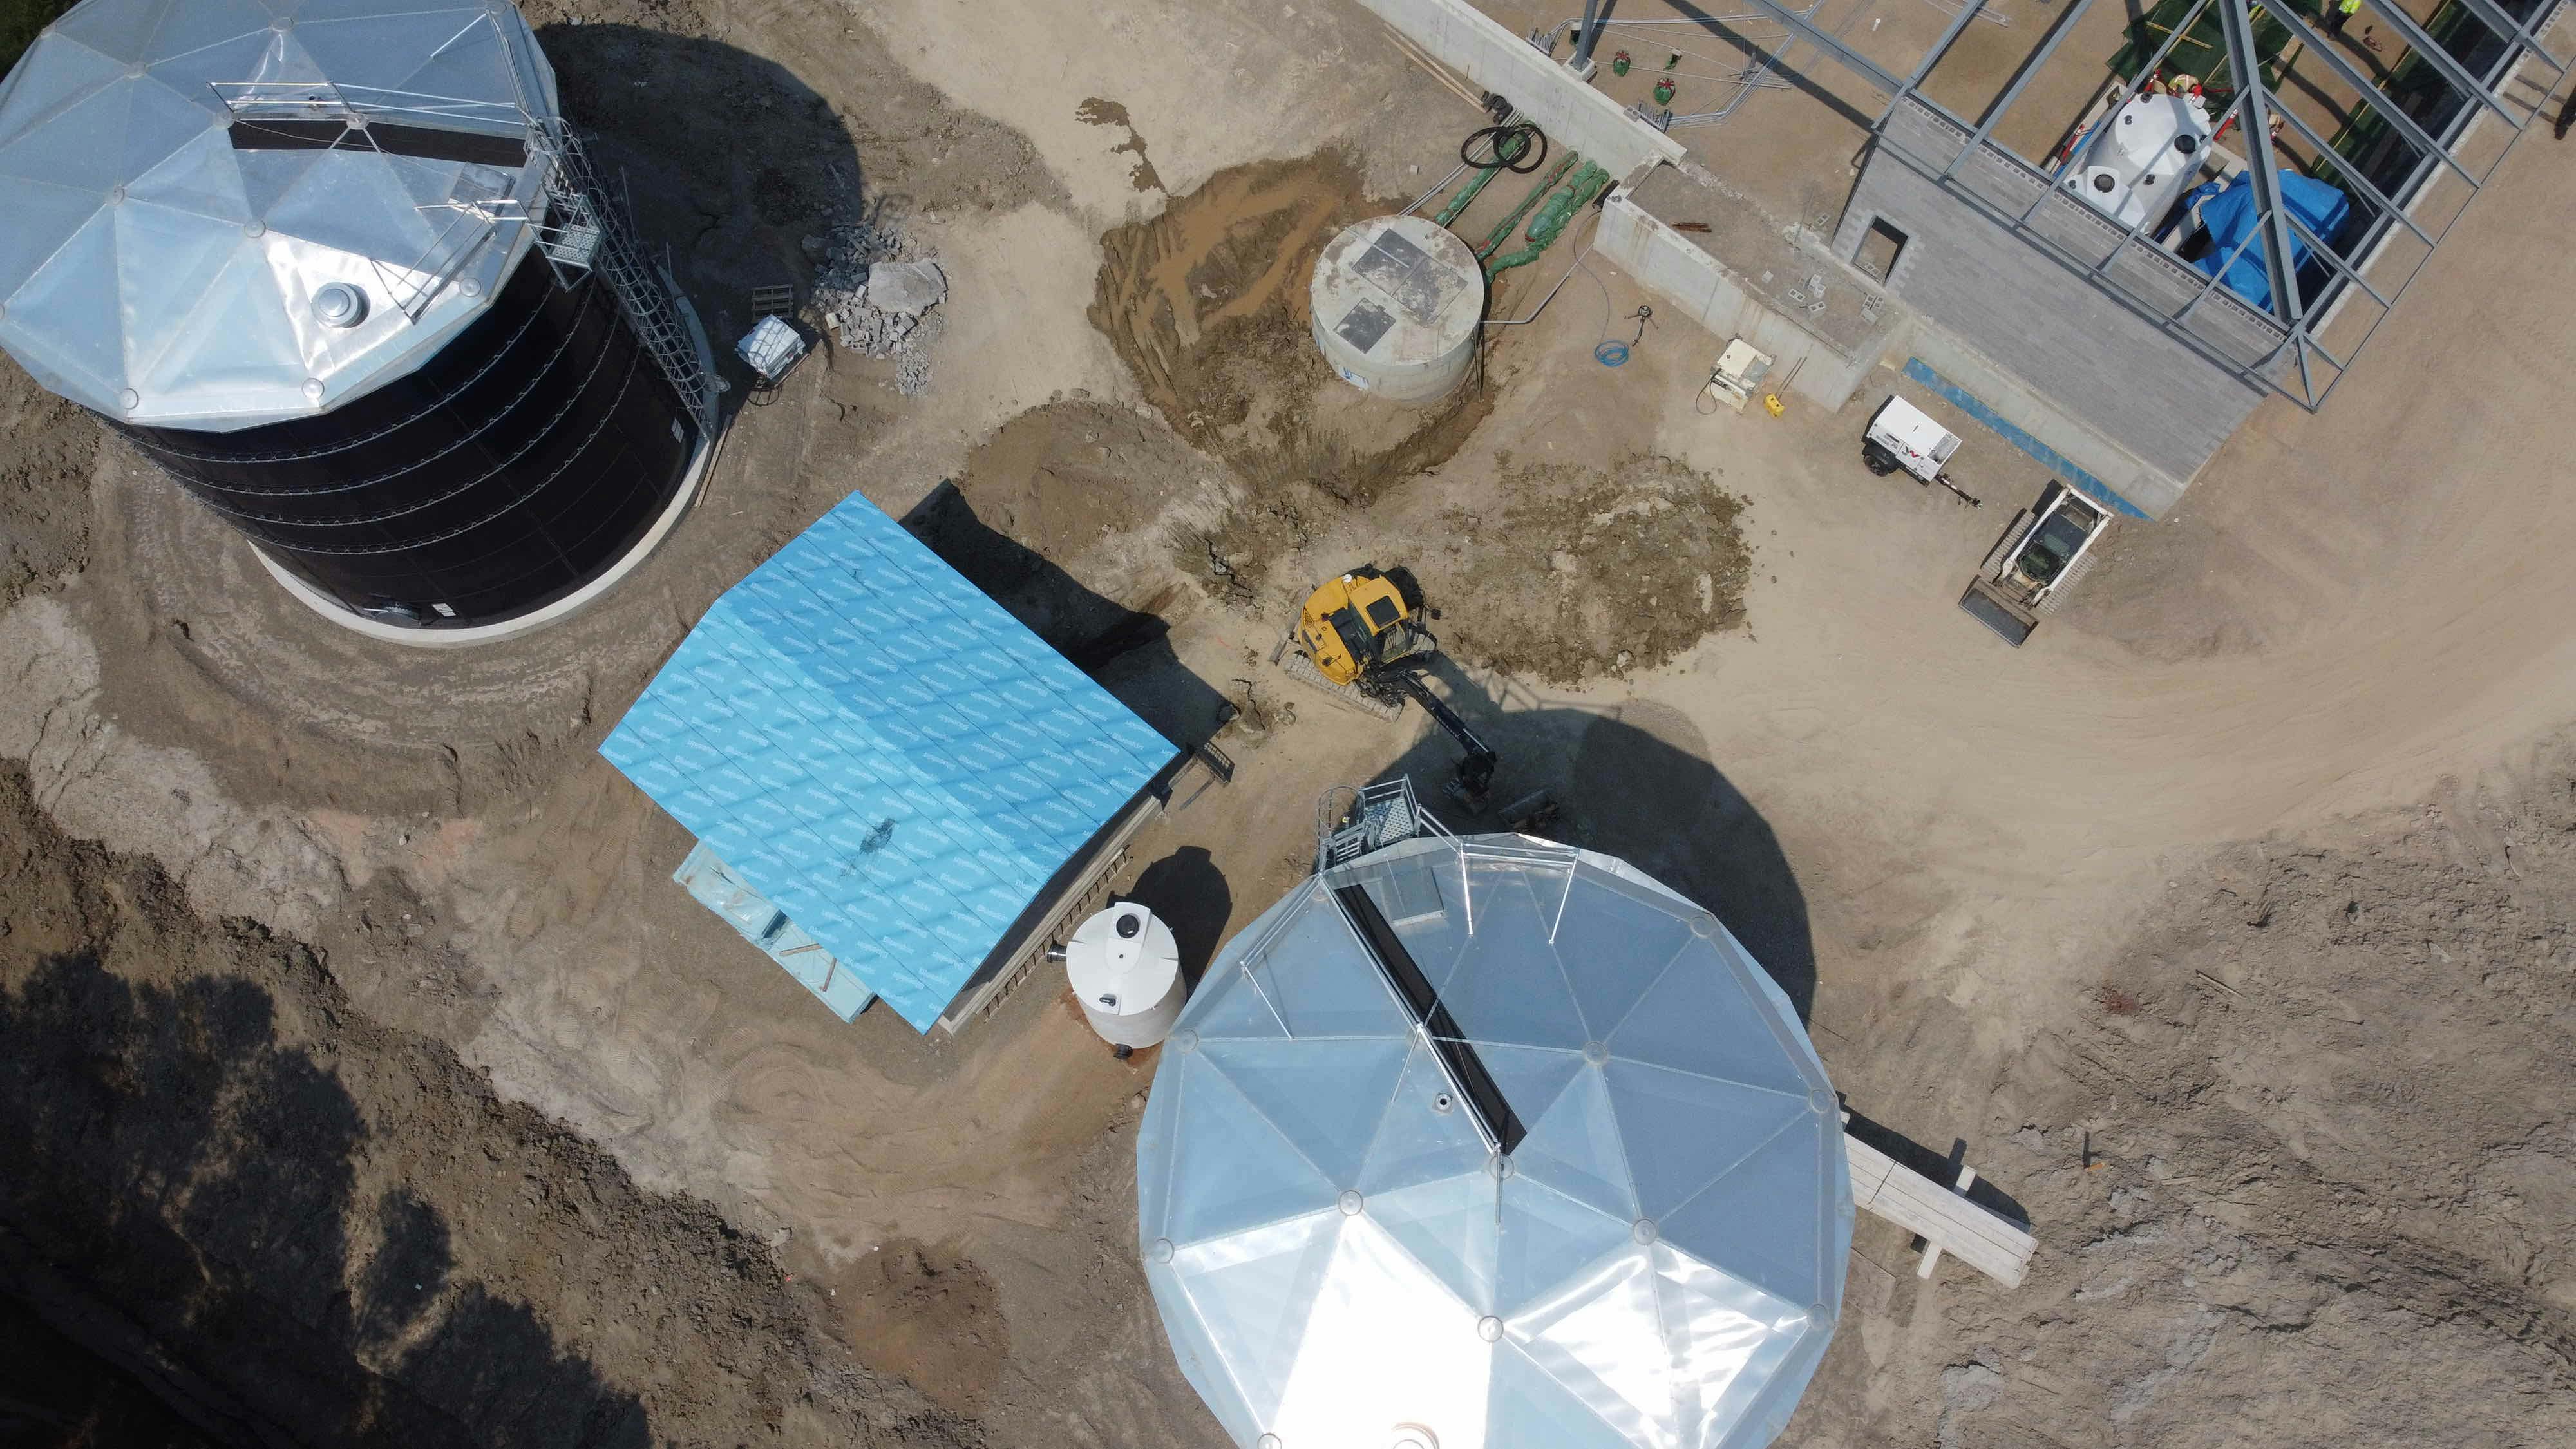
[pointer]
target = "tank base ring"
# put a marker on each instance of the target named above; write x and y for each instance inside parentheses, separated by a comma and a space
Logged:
(332, 609)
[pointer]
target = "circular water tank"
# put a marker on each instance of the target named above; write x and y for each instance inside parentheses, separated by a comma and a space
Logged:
(1396, 302)
(391, 331)
(1126, 971)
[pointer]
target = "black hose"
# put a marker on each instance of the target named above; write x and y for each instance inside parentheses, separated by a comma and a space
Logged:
(1519, 148)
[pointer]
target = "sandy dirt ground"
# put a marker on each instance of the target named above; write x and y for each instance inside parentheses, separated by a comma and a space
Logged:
(2222, 925)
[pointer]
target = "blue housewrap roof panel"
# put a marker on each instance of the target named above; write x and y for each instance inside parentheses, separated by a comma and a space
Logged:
(883, 751)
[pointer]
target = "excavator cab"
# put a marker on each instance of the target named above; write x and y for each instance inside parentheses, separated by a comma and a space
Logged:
(1362, 624)
(1360, 635)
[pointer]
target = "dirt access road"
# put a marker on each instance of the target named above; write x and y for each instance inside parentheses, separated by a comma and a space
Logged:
(2324, 1074)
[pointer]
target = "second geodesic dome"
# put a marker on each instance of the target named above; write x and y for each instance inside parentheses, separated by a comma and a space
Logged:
(1493, 1142)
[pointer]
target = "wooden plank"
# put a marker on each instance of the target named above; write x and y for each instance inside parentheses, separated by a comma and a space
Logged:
(1944, 1218)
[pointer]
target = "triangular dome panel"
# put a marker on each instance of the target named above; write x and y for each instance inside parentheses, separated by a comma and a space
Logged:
(1763, 1222)
(1239, 1172)
(1699, 1018)
(1255, 1294)
(1614, 947)
(1327, 1096)
(1428, 1132)
(1532, 1411)
(1547, 1239)
(1681, 1131)
(1576, 1148)
(1450, 1228)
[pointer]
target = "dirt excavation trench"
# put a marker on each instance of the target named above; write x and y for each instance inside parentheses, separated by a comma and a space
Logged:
(295, 1225)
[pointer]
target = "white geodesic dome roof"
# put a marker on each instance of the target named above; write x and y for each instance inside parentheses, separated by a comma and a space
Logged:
(160, 262)
(1345, 1260)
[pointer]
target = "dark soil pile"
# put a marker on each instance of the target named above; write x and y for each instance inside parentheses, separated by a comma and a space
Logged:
(300, 1226)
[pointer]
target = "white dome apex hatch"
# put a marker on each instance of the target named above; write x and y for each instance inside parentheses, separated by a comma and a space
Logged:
(1571, 1177)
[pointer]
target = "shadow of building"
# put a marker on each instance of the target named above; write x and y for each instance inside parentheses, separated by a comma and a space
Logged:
(1128, 650)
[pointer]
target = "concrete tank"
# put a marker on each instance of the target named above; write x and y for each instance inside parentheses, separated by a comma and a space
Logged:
(1126, 971)
(1396, 303)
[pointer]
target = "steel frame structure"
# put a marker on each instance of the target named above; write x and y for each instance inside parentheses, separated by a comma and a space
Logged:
(2278, 348)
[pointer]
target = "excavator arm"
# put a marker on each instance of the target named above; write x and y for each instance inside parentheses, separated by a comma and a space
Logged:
(1476, 771)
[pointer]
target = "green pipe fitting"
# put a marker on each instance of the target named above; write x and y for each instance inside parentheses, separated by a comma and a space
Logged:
(1503, 233)
(1553, 218)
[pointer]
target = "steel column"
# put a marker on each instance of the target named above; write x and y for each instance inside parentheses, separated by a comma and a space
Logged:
(2236, 21)
(1589, 34)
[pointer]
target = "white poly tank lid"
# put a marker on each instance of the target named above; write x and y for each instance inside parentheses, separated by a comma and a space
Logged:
(1122, 961)
(1399, 289)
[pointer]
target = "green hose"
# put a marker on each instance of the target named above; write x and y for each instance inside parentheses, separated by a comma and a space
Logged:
(1503, 233)
(1552, 218)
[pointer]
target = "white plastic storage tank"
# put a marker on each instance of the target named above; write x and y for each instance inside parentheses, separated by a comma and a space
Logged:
(1126, 971)
(2146, 155)
(340, 270)
(1396, 302)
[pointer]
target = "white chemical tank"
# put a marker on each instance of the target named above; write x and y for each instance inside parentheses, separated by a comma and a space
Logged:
(1396, 302)
(1126, 971)
(2144, 156)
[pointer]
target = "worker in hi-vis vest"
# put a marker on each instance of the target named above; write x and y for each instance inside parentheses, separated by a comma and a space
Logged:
(2338, 12)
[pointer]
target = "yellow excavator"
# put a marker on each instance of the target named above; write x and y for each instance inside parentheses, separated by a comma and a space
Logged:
(1360, 637)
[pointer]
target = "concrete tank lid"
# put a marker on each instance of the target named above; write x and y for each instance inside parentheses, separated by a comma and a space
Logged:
(1399, 288)
(195, 187)
(1121, 971)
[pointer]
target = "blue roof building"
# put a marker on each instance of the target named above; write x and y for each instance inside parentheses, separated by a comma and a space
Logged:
(867, 740)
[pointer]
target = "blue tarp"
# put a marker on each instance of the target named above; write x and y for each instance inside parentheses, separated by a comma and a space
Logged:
(883, 751)
(2228, 214)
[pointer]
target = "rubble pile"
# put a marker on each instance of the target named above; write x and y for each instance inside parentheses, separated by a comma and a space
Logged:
(877, 302)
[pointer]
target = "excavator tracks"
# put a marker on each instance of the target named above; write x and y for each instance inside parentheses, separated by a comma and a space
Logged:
(1300, 668)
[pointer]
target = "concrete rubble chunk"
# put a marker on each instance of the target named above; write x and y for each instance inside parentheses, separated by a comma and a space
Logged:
(907, 288)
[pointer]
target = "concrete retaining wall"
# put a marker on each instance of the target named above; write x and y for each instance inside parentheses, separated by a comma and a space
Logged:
(1571, 112)
(1703, 290)
(2039, 343)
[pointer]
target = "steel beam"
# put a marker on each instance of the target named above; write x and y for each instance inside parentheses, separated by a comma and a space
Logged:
(1806, 30)
(2215, 278)
(2288, 19)
(2029, 68)
(2236, 21)
(2442, 60)
(1931, 58)
(2128, 92)
(2351, 173)
(2508, 28)
(2317, 245)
